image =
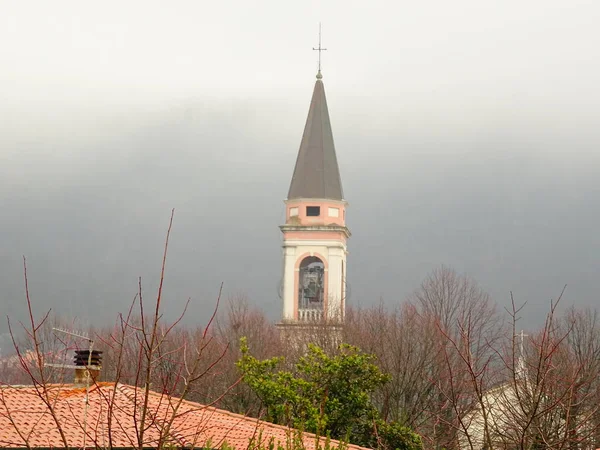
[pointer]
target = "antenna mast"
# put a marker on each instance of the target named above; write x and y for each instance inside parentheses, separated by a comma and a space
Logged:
(87, 365)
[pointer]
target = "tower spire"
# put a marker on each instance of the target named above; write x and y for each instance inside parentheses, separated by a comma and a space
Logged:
(316, 174)
(319, 49)
(315, 232)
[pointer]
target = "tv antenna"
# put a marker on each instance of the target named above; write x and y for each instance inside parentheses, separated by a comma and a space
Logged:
(92, 363)
(77, 335)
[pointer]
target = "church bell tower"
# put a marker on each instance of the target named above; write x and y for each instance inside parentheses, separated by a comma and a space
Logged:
(315, 232)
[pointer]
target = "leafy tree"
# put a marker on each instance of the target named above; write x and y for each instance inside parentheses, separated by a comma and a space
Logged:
(326, 395)
(393, 435)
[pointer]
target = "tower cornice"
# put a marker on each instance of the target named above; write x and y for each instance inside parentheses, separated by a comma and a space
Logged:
(322, 228)
(342, 202)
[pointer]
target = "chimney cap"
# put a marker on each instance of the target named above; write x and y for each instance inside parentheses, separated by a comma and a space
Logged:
(85, 358)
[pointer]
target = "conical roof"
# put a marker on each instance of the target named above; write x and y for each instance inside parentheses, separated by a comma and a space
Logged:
(316, 174)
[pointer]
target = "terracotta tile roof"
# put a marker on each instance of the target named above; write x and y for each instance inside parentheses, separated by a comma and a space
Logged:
(26, 419)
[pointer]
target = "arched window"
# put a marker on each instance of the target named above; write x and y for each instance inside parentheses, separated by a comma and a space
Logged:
(311, 286)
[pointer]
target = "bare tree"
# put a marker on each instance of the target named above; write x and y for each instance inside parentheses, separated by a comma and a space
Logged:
(544, 394)
(240, 319)
(141, 351)
(405, 350)
(463, 322)
(584, 350)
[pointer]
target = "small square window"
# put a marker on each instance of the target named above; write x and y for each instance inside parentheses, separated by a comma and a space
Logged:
(313, 211)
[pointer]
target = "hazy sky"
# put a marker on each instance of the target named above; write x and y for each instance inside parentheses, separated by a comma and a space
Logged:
(467, 134)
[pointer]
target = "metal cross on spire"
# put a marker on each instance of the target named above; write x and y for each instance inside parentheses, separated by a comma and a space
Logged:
(319, 49)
